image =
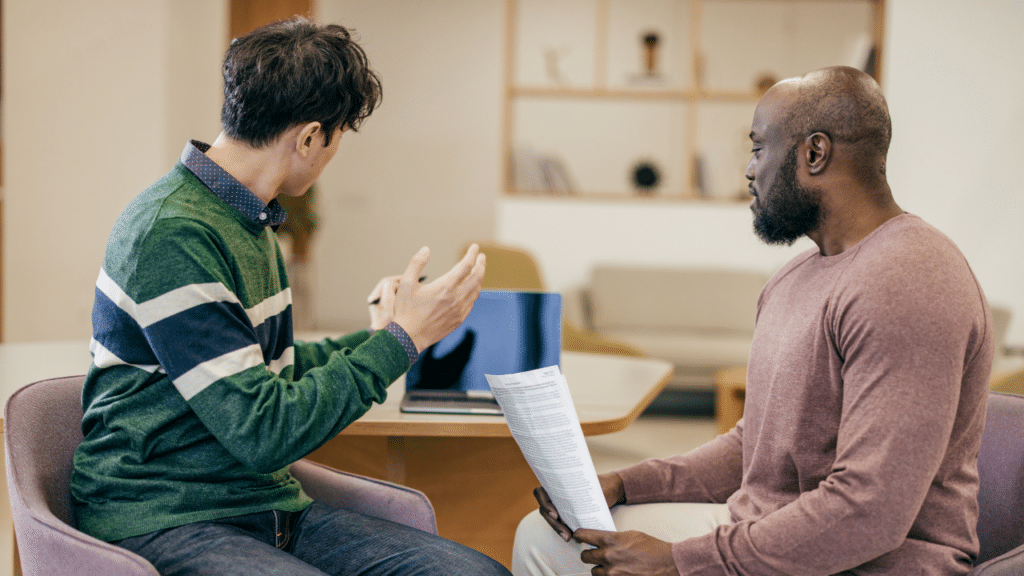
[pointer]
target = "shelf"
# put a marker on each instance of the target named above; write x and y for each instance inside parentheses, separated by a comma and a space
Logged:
(632, 94)
(605, 197)
(607, 86)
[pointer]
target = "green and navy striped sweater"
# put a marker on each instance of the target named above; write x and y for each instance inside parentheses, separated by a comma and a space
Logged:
(198, 399)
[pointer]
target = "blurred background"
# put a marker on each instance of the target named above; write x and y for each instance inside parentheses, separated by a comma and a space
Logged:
(586, 131)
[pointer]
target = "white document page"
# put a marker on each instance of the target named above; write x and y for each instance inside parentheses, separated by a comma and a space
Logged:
(543, 421)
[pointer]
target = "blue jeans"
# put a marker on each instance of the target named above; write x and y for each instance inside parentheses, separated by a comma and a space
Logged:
(321, 540)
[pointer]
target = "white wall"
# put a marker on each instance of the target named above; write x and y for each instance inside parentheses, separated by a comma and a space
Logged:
(425, 168)
(86, 81)
(102, 95)
(954, 79)
(953, 76)
(99, 99)
(569, 238)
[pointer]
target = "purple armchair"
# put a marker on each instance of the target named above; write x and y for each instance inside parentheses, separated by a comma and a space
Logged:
(1001, 467)
(42, 426)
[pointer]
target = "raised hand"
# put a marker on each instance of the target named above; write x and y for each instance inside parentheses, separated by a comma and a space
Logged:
(429, 312)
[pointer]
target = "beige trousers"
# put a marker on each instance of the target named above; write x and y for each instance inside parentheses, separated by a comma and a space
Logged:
(539, 551)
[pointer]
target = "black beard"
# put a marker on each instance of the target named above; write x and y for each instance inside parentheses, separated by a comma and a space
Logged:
(787, 210)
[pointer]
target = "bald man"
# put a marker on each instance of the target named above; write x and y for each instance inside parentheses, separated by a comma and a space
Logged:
(866, 386)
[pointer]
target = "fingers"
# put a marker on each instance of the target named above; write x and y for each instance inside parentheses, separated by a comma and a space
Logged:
(591, 556)
(374, 297)
(599, 538)
(388, 283)
(550, 514)
(382, 302)
(469, 286)
(469, 259)
(415, 268)
(471, 273)
(464, 267)
(629, 552)
(477, 273)
(387, 296)
(598, 554)
(462, 281)
(431, 312)
(542, 498)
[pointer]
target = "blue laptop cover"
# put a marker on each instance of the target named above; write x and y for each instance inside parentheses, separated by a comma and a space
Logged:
(506, 332)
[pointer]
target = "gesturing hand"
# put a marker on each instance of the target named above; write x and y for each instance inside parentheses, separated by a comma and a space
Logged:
(629, 553)
(429, 312)
(382, 302)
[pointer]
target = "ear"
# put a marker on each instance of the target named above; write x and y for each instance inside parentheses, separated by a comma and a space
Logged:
(818, 152)
(304, 138)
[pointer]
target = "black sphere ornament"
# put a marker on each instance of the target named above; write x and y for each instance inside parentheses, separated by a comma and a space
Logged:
(646, 177)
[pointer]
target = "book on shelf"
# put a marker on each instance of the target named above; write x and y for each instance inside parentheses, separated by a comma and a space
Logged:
(541, 173)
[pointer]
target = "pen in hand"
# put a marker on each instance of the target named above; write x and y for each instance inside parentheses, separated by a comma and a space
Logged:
(377, 301)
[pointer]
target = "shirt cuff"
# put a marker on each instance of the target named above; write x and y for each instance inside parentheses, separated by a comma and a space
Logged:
(403, 338)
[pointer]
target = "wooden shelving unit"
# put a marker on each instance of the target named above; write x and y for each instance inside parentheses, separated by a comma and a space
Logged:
(690, 93)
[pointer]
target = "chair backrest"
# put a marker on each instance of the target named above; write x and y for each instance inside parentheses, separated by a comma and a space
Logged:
(1001, 467)
(510, 268)
(42, 428)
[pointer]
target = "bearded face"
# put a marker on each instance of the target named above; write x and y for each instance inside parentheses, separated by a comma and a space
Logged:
(786, 210)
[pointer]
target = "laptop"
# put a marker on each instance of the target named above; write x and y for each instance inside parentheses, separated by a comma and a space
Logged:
(506, 332)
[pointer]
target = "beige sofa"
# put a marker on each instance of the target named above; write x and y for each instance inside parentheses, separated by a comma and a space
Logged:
(703, 319)
(699, 319)
(1008, 361)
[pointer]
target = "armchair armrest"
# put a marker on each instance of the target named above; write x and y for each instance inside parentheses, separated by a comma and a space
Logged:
(366, 495)
(48, 546)
(1008, 564)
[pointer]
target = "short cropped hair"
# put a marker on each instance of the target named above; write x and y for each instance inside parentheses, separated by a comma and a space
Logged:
(844, 103)
(293, 72)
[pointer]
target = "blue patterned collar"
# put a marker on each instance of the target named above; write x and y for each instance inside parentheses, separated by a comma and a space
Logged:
(228, 189)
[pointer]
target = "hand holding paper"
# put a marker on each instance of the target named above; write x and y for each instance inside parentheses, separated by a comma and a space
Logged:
(543, 421)
(611, 486)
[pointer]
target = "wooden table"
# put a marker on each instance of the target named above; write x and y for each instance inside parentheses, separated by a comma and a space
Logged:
(730, 393)
(469, 466)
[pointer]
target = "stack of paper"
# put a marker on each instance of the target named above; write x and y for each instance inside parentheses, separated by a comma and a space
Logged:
(543, 421)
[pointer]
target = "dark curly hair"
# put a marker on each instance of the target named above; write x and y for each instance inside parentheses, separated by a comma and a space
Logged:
(293, 72)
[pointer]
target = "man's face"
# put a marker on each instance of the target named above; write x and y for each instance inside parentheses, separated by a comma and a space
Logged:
(784, 210)
(787, 210)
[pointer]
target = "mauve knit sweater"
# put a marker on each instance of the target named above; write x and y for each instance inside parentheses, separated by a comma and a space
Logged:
(866, 393)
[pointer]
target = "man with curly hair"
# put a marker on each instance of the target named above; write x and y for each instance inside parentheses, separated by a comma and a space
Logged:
(198, 398)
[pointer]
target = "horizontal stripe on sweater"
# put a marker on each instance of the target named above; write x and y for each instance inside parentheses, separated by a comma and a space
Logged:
(218, 332)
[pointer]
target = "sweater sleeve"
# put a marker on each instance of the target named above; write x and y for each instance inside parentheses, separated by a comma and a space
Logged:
(309, 355)
(216, 352)
(710, 473)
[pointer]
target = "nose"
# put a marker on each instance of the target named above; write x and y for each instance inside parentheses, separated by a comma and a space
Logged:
(750, 169)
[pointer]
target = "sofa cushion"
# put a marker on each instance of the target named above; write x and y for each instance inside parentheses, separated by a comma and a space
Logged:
(688, 350)
(674, 300)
